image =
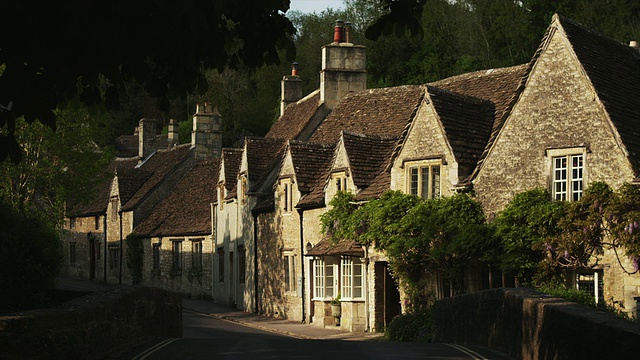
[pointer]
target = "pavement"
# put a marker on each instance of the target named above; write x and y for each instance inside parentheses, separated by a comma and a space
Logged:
(295, 329)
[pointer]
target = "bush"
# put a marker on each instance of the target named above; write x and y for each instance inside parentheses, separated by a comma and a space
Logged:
(30, 260)
(410, 327)
(573, 295)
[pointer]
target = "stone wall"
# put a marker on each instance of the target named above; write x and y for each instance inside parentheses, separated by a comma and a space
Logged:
(531, 325)
(92, 326)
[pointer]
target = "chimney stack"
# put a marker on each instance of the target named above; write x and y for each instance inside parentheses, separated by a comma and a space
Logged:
(206, 135)
(290, 88)
(173, 133)
(343, 67)
(146, 137)
(634, 44)
(337, 31)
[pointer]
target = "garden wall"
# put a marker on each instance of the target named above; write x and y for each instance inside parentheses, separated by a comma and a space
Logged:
(532, 325)
(92, 326)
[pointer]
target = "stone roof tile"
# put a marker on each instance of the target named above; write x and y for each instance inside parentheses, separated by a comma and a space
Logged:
(374, 112)
(295, 119)
(186, 211)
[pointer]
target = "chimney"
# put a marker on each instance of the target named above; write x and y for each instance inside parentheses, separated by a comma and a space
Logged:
(146, 137)
(634, 44)
(173, 133)
(206, 135)
(291, 88)
(343, 67)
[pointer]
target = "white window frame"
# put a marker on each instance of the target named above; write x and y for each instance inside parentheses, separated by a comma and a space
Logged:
(567, 173)
(325, 276)
(416, 182)
(352, 278)
(594, 278)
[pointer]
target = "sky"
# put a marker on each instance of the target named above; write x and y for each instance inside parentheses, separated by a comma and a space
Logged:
(309, 6)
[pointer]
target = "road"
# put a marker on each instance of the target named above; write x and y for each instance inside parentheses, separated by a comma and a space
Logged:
(206, 337)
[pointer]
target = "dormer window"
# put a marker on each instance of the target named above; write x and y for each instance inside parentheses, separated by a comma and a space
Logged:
(423, 180)
(339, 180)
(287, 195)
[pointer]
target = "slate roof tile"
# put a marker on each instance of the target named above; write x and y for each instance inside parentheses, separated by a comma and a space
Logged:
(158, 166)
(374, 112)
(310, 162)
(186, 211)
(295, 118)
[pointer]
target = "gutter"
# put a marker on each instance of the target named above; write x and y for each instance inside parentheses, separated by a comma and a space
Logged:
(255, 263)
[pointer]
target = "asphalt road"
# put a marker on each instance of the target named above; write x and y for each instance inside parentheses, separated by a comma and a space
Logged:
(206, 337)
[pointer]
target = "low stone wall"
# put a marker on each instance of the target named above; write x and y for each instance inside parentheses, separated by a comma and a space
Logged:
(92, 326)
(531, 325)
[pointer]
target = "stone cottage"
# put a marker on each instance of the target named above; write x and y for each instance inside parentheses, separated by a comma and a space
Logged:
(563, 120)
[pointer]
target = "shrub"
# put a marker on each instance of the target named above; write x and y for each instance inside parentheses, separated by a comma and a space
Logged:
(410, 327)
(30, 260)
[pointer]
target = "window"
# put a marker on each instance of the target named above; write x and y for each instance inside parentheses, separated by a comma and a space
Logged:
(221, 264)
(176, 255)
(287, 198)
(72, 223)
(424, 181)
(97, 223)
(567, 172)
(352, 279)
(221, 195)
(72, 253)
(114, 258)
(113, 215)
(324, 278)
(591, 283)
(290, 284)
(242, 263)
(340, 181)
(196, 254)
(243, 189)
(156, 258)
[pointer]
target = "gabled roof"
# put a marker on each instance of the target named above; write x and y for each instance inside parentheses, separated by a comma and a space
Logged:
(296, 118)
(379, 185)
(500, 86)
(262, 155)
(310, 162)
(157, 167)
(186, 211)
(466, 122)
(375, 112)
(98, 204)
(231, 159)
(614, 71)
(368, 155)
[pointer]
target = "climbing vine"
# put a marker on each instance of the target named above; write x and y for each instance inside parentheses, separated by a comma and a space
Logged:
(534, 238)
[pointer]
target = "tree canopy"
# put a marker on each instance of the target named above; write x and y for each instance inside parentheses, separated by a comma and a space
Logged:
(88, 50)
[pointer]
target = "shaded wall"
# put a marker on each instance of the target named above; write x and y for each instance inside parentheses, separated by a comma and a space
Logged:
(532, 325)
(92, 326)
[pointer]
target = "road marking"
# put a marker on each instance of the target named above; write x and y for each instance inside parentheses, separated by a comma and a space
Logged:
(143, 355)
(474, 355)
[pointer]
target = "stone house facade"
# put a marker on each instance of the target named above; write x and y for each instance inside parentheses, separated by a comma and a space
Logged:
(251, 216)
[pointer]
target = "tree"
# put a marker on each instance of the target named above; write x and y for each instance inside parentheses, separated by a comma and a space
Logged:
(90, 49)
(58, 167)
(30, 259)
(523, 228)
